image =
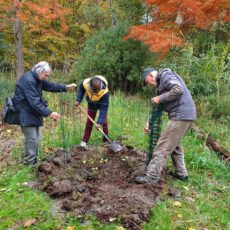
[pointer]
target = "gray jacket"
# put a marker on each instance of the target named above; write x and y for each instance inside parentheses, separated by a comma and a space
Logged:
(175, 96)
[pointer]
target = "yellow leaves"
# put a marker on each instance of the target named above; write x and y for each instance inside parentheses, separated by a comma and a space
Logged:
(47, 149)
(186, 188)
(120, 228)
(177, 203)
(85, 28)
(70, 228)
(191, 228)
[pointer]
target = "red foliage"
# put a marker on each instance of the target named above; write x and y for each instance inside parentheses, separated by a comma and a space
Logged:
(173, 18)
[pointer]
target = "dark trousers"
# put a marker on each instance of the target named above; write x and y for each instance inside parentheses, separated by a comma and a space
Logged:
(89, 125)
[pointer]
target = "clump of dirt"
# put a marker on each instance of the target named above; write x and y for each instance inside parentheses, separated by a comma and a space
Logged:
(101, 183)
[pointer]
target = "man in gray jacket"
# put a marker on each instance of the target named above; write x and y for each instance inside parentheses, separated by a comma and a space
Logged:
(177, 101)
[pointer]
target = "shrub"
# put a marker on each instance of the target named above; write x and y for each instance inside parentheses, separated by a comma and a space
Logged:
(109, 55)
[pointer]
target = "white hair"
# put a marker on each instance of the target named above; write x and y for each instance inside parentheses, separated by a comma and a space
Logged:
(154, 73)
(42, 66)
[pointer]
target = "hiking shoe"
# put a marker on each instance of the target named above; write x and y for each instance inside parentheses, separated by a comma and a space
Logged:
(174, 174)
(84, 145)
(146, 180)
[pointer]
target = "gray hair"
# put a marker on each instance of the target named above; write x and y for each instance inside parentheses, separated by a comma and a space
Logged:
(42, 66)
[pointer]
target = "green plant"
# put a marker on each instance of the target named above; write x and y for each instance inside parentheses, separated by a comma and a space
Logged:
(107, 53)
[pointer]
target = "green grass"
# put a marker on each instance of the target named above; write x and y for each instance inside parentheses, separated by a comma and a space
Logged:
(204, 199)
(19, 203)
(126, 121)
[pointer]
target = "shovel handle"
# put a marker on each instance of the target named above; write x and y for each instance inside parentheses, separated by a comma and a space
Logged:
(90, 118)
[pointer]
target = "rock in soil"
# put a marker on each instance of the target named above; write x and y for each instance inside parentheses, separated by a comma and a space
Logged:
(101, 183)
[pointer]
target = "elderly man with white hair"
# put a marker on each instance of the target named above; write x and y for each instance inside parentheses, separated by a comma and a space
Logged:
(32, 107)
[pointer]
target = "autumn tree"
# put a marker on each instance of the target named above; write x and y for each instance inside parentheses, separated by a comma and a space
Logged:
(171, 20)
(33, 20)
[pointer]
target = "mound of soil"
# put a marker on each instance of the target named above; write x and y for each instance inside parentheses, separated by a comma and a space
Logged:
(101, 183)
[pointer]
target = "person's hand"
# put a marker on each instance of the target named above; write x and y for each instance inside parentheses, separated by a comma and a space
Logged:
(55, 116)
(156, 100)
(77, 103)
(71, 87)
(146, 129)
(98, 126)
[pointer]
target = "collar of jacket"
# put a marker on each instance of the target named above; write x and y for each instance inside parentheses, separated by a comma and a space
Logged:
(35, 76)
(159, 74)
(95, 96)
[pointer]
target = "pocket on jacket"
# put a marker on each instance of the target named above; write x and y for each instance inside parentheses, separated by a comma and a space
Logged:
(29, 119)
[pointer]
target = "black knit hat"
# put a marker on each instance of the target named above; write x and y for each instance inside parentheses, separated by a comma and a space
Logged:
(146, 72)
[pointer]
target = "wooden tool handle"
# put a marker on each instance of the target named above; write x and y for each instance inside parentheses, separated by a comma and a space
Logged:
(94, 123)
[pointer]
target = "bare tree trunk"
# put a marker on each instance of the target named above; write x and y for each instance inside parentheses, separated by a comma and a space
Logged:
(113, 16)
(19, 62)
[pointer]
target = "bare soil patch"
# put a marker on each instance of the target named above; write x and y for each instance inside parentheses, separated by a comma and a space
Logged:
(101, 183)
(9, 134)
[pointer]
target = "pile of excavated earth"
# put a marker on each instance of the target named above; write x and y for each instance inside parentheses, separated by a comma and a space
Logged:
(101, 183)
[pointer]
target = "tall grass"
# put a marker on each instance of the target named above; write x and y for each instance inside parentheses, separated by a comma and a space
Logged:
(126, 121)
(7, 83)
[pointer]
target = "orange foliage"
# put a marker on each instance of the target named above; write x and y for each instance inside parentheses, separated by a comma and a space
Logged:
(37, 15)
(173, 18)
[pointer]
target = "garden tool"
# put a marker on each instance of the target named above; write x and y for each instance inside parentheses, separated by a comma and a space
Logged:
(113, 145)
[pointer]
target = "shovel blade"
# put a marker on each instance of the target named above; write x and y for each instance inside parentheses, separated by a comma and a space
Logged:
(115, 147)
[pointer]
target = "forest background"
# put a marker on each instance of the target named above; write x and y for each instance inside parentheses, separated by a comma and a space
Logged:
(82, 38)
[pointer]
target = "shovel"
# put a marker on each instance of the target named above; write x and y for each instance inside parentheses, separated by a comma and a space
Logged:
(113, 145)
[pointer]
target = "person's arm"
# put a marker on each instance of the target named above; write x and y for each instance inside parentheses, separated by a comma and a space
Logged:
(103, 108)
(172, 87)
(80, 94)
(52, 87)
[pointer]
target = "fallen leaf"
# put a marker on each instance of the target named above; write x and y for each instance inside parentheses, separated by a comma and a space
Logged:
(179, 216)
(177, 203)
(120, 228)
(112, 219)
(29, 222)
(191, 228)
(8, 130)
(186, 188)
(70, 228)
(5, 190)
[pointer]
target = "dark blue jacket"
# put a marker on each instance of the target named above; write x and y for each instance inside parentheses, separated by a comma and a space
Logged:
(28, 98)
(102, 105)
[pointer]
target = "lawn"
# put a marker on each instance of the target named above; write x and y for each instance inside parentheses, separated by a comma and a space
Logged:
(203, 202)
